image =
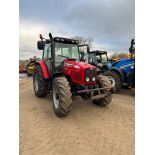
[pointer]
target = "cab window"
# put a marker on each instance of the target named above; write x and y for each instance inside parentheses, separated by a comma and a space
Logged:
(47, 51)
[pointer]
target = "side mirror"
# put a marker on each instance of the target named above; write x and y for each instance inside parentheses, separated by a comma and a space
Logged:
(41, 37)
(41, 45)
(50, 35)
(132, 41)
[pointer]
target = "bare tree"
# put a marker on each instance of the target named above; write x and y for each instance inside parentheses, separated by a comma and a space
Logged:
(119, 56)
(82, 40)
(113, 56)
(123, 55)
(23, 63)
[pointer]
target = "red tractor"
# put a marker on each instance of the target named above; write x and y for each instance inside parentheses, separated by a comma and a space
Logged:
(61, 72)
(22, 69)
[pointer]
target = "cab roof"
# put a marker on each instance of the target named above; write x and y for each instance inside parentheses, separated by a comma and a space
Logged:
(98, 52)
(63, 40)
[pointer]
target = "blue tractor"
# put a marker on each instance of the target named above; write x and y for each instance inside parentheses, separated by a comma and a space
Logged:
(123, 71)
(120, 73)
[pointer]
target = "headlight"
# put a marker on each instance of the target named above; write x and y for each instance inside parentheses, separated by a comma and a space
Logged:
(87, 79)
(93, 78)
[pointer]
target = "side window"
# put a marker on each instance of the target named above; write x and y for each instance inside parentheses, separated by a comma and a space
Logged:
(57, 51)
(45, 52)
(49, 52)
(65, 52)
(90, 58)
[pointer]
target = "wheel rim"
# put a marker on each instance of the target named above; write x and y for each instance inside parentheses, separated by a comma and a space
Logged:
(112, 81)
(55, 98)
(36, 85)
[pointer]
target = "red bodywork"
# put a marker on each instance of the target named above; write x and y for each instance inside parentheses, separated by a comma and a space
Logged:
(75, 70)
(21, 69)
(72, 69)
(44, 69)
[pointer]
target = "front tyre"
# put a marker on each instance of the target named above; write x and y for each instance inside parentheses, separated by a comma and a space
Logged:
(118, 81)
(62, 97)
(103, 81)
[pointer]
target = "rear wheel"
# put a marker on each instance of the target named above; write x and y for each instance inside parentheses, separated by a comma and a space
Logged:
(114, 77)
(62, 97)
(39, 83)
(103, 81)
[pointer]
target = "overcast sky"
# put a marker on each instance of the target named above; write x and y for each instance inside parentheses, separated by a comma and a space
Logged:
(111, 23)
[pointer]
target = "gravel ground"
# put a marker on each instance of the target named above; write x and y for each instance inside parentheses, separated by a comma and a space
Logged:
(87, 130)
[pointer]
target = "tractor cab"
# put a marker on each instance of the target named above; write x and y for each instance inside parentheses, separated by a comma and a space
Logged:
(123, 71)
(96, 58)
(56, 51)
(99, 59)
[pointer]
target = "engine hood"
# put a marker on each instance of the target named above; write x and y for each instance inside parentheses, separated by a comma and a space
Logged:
(77, 64)
(123, 62)
(78, 71)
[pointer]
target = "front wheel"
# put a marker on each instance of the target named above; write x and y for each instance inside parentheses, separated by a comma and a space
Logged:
(103, 81)
(62, 97)
(115, 79)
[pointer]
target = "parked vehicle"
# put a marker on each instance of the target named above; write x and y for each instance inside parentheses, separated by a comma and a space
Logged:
(61, 72)
(30, 66)
(22, 69)
(120, 73)
(123, 71)
(99, 59)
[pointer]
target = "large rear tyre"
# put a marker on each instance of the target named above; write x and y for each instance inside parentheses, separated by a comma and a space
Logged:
(39, 83)
(62, 97)
(114, 76)
(103, 81)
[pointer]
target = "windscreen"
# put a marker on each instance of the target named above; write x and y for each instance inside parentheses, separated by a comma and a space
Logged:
(101, 58)
(97, 58)
(65, 51)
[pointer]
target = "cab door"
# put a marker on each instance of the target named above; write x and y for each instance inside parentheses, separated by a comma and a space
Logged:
(47, 57)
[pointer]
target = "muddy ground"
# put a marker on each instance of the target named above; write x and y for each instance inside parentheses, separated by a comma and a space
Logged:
(87, 130)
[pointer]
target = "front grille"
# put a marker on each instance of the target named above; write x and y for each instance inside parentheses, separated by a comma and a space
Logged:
(90, 72)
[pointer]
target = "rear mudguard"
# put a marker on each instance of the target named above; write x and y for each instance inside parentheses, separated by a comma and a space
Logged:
(44, 69)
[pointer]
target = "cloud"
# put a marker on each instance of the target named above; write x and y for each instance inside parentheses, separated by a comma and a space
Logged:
(107, 21)
(110, 22)
(29, 35)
